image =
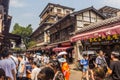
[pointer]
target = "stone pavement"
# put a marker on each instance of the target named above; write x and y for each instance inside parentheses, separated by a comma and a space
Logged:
(75, 74)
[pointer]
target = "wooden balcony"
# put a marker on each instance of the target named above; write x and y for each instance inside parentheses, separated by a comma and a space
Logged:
(40, 41)
(51, 21)
(51, 14)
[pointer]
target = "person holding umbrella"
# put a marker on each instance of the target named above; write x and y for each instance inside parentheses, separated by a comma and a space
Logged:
(65, 68)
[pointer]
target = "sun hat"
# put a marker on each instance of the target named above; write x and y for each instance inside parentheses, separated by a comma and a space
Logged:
(61, 60)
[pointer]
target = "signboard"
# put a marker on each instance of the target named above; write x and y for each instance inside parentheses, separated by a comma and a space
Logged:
(65, 44)
(103, 40)
(108, 38)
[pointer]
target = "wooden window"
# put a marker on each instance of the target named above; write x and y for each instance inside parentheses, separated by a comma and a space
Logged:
(57, 35)
(93, 19)
(59, 11)
(79, 17)
(52, 38)
(86, 18)
(67, 12)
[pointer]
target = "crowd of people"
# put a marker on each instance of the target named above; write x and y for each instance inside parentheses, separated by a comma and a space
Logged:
(101, 67)
(28, 66)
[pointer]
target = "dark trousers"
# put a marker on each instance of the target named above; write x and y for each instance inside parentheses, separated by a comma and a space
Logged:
(28, 79)
(23, 78)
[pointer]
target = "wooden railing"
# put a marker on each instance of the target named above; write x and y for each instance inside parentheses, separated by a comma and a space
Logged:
(51, 14)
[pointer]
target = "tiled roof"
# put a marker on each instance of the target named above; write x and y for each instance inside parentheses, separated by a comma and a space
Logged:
(109, 9)
(58, 5)
(100, 23)
(87, 9)
(66, 7)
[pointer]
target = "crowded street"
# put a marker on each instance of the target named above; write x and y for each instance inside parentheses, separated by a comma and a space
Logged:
(59, 40)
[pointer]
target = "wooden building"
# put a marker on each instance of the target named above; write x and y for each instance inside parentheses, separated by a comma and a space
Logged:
(103, 35)
(51, 14)
(54, 12)
(61, 31)
(109, 12)
(1, 20)
(5, 22)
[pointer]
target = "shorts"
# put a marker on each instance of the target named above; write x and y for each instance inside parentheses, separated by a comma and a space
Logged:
(85, 68)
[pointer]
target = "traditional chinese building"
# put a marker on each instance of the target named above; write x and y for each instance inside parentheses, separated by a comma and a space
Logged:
(5, 22)
(109, 12)
(1, 20)
(61, 31)
(51, 14)
(64, 29)
(103, 35)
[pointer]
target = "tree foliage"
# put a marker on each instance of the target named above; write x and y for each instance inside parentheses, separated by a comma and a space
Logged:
(31, 44)
(24, 32)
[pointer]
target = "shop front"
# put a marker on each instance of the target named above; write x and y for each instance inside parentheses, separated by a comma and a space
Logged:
(65, 46)
(107, 44)
(106, 39)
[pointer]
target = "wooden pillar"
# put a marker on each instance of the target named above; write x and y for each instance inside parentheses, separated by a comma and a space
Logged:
(78, 49)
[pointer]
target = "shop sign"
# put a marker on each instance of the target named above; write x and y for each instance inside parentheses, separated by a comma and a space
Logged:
(65, 44)
(107, 38)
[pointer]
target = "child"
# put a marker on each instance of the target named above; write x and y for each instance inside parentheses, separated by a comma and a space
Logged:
(84, 63)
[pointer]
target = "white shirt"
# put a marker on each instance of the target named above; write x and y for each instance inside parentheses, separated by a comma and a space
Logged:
(40, 58)
(20, 67)
(34, 73)
(15, 62)
(15, 59)
(45, 59)
(7, 65)
(48, 59)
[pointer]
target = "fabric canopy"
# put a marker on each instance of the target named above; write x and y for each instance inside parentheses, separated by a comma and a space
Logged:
(60, 49)
(97, 33)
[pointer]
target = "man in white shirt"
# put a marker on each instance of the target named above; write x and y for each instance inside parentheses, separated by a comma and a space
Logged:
(14, 60)
(21, 68)
(8, 66)
(35, 71)
(45, 59)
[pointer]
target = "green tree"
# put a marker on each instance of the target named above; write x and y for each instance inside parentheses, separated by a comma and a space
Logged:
(31, 44)
(24, 32)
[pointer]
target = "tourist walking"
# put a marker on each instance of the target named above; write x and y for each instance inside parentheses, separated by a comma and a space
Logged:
(21, 68)
(35, 71)
(91, 65)
(84, 63)
(115, 66)
(46, 73)
(65, 68)
(29, 68)
(8, 66)
(55, 65)
(101, 61)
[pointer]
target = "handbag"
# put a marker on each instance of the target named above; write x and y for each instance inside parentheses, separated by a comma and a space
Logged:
(108, 70)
